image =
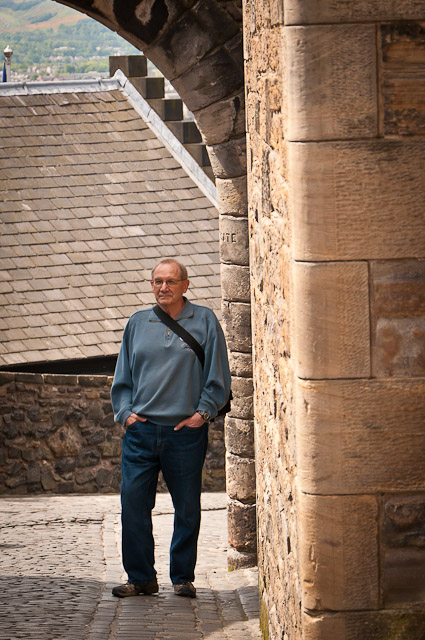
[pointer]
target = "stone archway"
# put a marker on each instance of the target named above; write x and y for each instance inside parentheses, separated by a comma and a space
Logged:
(198, 47)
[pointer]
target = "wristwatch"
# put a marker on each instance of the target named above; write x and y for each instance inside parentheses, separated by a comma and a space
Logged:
(205, 415)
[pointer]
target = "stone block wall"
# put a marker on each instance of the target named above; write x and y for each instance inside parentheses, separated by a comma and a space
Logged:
(336, 155)
(57, 435)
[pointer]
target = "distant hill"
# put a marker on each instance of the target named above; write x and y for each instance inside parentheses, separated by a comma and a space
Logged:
(51, 41)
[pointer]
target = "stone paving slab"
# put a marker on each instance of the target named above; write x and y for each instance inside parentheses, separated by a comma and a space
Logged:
(60, 558)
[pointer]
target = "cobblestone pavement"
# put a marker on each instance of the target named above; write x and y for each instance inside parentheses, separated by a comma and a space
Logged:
(60, 558)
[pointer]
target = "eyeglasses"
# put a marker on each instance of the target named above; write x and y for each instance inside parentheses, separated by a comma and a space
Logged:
(157, 283)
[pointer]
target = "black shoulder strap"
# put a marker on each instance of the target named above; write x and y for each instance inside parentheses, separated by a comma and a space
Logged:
(180, 331)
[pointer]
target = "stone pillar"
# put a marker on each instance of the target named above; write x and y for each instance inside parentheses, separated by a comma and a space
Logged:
(336, 149)
(229, 164)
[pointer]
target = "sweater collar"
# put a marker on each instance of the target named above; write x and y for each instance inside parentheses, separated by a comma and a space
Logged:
(186, 312)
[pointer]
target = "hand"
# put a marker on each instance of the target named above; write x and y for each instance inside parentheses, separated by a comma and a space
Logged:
(194, 422)
(133, 417)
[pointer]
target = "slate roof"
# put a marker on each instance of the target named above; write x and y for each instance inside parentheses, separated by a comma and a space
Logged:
(90, 199)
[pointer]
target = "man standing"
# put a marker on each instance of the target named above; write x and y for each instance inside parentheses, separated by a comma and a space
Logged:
(165, 398)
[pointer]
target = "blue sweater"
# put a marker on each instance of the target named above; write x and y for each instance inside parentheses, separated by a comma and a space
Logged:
(159, 377)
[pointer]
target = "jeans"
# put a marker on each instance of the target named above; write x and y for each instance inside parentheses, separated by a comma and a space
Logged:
(180, 455)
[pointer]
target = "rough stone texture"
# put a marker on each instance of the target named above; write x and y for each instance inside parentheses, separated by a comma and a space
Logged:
(339, 552)
(330, 217)
(331, 82)
(57, 435)
(240, 364)
(398, 318)
(241, 559)
(404, 521)
(311, 11)
(240, 475)
(131, 66)
(237, 323)
(361, 436)
(403, 577)
(403, 537)
(272, 298)
(228, 159)
(223, 119)
(239, 437)
(403, 86)
(331, 302)
(374, 625)
(234, 246)
(235, 283)
(232, 195)
(242, 402)
(241, 523)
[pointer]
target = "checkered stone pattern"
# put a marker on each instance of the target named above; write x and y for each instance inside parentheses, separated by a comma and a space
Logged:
(90, 199)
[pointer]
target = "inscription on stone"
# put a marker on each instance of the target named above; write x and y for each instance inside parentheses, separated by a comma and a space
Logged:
(228, 237)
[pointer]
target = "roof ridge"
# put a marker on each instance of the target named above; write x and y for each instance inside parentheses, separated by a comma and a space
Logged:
(167, 137)
(60, 86)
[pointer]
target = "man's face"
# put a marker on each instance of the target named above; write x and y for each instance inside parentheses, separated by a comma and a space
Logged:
(166, 294)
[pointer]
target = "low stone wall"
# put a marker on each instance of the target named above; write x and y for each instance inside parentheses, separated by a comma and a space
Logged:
(58, 435)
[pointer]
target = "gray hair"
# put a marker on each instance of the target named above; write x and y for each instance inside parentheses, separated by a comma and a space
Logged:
(182, 268)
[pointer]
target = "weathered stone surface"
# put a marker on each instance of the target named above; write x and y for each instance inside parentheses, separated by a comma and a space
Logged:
(240, 364)
(48, 481)
(403, 86)
(232, 196)
(222, 120)
(339, 552)
(181, 47)
(6, 377)
(241, 559)
(404, 521)
(237, 322)
(403, 577)
(228, 159)
(55, 379)
(398, 318)
(65, 442)
(104, 477)
(240, 476)
(83, 476)
(374, 625)
(241, 526)
(400, 347)
(65, 465)
(111, 449)
(131, 66)
(361, 436)
(331, 216)
(88, 458)
(212, 79)
(239, 437)
(235, 284)
(331, 82)
(313, 12)
(94, 381)
(234, 245)
(33, 474)
(331, 316)
(62, 438)
(242, 401)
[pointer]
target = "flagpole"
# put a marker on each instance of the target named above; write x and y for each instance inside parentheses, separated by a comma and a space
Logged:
(6, 65)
